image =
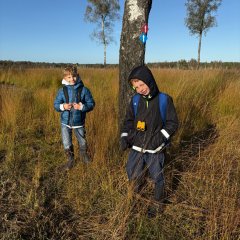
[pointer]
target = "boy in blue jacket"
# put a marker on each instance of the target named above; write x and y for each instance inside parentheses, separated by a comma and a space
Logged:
(73, 100)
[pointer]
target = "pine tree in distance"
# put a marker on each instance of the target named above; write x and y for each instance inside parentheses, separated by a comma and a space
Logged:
(200, 18)
(104, 13)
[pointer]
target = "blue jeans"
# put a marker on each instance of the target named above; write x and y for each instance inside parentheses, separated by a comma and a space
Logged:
(67, 137)
(139, 162)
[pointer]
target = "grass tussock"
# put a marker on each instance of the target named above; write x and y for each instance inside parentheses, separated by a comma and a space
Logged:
(95, 201)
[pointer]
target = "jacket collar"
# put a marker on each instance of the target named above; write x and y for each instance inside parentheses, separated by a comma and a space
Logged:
(77, 84)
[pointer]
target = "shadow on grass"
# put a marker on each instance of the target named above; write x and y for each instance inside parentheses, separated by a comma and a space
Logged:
(180, 158)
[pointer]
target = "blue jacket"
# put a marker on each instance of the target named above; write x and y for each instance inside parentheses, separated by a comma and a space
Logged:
(74, 117)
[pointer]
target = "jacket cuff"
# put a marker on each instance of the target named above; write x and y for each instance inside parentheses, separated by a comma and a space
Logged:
(165, 134)
(81, 107)
(61, 107)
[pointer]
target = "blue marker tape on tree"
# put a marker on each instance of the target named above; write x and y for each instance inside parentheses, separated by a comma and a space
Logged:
(143, 37)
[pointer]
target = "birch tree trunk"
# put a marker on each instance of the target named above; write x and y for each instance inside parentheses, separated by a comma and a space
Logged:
(199, 49)
(132, 50)
(104, 41)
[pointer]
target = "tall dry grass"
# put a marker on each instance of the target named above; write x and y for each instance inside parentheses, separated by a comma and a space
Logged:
(95, 202)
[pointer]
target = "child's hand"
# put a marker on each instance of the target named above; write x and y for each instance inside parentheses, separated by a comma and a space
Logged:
(67, 106)
(78, 106)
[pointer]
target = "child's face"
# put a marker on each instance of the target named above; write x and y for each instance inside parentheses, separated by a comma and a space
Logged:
(140, 87)
(69, 78)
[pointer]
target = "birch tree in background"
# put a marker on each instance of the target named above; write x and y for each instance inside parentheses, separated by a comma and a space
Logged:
(200, 18)
(104, 13)
(132, 50)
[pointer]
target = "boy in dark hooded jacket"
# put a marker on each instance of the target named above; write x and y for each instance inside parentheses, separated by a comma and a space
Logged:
(146, 133)
(73, 100)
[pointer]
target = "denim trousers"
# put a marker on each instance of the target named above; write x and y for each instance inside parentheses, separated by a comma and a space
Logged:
(139, 163)
(67, 137)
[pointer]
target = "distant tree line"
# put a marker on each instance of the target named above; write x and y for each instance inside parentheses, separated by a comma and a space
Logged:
(181, 64)
(193, 64)
(29, 64)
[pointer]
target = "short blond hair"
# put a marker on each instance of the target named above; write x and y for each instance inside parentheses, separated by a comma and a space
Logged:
(72, 70)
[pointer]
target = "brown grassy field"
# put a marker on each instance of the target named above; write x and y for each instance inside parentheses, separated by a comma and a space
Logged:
(37, 201)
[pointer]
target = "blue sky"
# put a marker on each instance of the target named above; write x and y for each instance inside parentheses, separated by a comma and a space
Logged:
(55, 31)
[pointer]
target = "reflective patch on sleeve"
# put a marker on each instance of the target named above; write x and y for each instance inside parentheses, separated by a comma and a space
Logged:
(165, 134)
(124, 134)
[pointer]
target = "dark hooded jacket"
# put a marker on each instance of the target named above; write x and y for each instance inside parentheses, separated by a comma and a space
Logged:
(148, 111)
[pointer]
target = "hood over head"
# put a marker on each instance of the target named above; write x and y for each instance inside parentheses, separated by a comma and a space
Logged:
(144, 74)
